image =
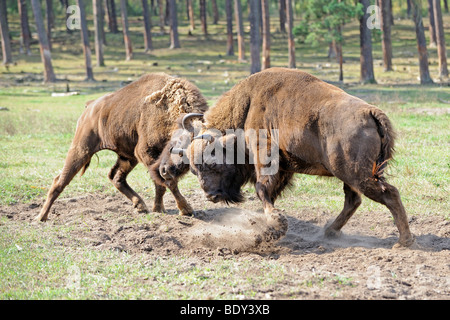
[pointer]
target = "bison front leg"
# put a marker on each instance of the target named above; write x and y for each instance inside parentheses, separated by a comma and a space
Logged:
(118, 176)
(183, 206)
(158, 205)
(267, 189)
(160, 188)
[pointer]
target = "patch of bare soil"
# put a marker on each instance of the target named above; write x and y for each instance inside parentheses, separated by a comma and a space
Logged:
(361, 264)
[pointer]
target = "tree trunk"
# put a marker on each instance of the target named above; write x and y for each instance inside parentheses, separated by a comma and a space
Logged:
(215, 12)
(167, 14)
(203, 17)
(97, 12)
(386, 44)
(291, 42)
(85, 42)
(391, 13)
(340, 58)
(265, 34)
(126, 34)
(432, 27)
(147, 26)
(416, 6)
(49, 75)
(255, 37)
(65, 4)
(49, 15)
(443, 70)
(408, 8)
(446, 6)
(102, 20)
(239, 29)
(365, 36)
(282, 11)
(229, 13)
(4, 30)
(161, 17)
(25, 34)
(191, 16)
(332, 49)
(174, 40)
(112, 20)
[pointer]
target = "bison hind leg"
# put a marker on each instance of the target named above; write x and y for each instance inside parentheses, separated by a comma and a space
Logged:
(352, 202)
(77, 158)
(388, 195)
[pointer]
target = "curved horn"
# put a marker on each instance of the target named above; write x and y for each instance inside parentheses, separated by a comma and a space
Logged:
(205, 136)
(188, 116)
(178, 151)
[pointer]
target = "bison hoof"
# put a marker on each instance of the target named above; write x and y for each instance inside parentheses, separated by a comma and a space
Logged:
(140, 208)
(186, 212)
(40, 219)
(185, 209)
(332, 233)
(409, 243)
(159, 209)
(277, 226)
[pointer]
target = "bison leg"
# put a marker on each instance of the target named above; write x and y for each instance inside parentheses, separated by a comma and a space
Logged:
(182, 204)
(77, 158)
(352, 202)
(158, 205)
(268, 188)
(118, 176)
(388, 195)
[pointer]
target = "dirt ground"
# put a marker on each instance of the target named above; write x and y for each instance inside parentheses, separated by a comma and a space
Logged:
(363, 254)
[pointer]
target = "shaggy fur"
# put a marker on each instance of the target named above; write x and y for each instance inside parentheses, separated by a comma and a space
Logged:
(322, 131)
(136, 122)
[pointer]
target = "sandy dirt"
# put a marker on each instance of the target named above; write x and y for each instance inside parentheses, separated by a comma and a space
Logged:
(362, 256)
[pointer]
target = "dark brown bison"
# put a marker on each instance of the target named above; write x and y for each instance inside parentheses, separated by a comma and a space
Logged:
(316, 128)
(136, 122)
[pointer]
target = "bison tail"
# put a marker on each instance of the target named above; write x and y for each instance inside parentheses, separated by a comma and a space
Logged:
(387, 135)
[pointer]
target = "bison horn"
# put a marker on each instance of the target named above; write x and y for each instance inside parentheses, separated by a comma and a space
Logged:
(188, 116)
(207, 137)
(178, 151)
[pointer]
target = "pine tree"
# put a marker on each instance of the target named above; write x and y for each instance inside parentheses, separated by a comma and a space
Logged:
(416, 6)
(46, 57)
(126, 33)
(4, 30)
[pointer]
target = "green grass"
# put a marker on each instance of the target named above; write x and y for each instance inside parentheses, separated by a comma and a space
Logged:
(36, 133)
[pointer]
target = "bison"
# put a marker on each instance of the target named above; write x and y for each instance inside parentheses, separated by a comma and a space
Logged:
(136, 122)
(317, 129)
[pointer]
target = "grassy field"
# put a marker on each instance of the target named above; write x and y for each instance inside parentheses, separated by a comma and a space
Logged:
(36, 131)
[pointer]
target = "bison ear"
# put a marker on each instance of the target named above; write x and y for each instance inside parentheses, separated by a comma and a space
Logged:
(228, 139)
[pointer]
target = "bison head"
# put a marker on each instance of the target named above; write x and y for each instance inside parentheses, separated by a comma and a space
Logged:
(220, 166)
(173, 162)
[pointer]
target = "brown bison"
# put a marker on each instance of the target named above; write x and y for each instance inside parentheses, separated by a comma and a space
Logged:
(316, 128)
(136, 122)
